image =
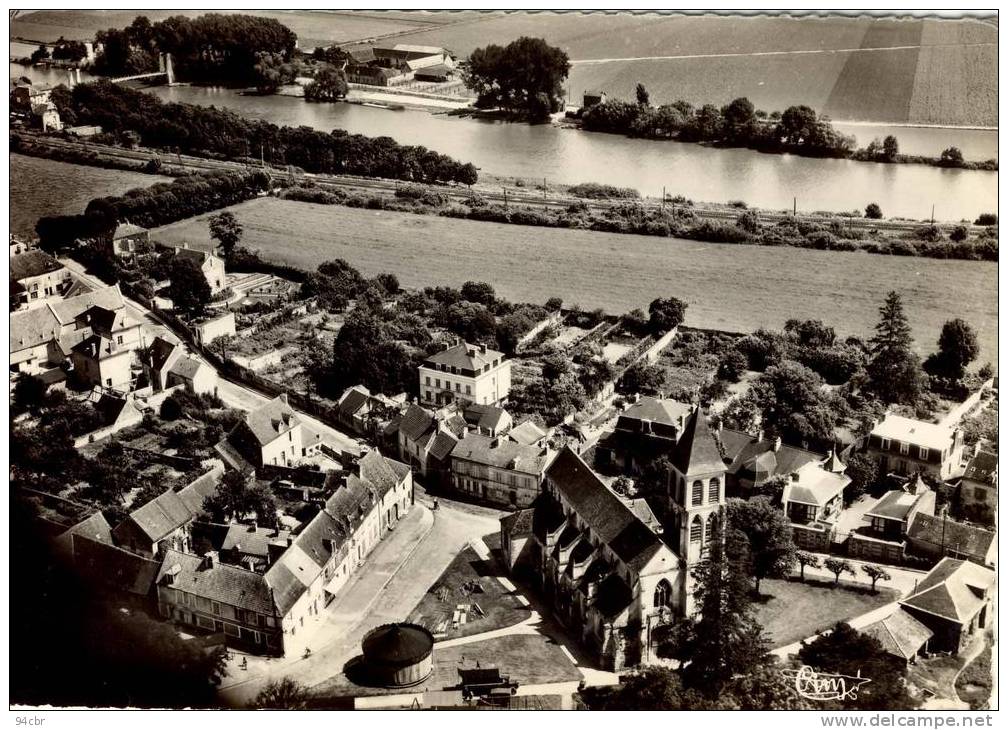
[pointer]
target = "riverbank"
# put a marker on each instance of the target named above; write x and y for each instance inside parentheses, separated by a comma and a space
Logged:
(675, 218)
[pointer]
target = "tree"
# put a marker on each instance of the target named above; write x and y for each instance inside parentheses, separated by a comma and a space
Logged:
(643, 98)
(851, 653)
(273, 71)
(227, 231)
(791, 400)
(951, 157)
(479, 292)
(733, 364)
(225, 344)
(768, 531)
(836, 566)
(724, 639)
(287, 694)
(364, 352)
(29, 393)
(553, 304)
(388, 282)
(238, 498)
(872, 210)
(894, 369)
(957, 348)
(188, 287)
(739, 117)
(555, 364)
(666, 314)
(328, 85)
(40, 54)
(890, 147)
(525, 77)
(641, 378)
(807, 560)
(875, 573)
(863, 471)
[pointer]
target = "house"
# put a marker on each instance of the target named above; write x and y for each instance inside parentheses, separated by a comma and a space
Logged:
(756, 459)
(498, 470)
(953, 601)
(408, 57)
(528, 434)
(516, 539)
(126, 241)
(98, 361)
(125, 576)
(165, 522)
(276, 612)
(250, 546)
(591, 98)
(373, 75)
(26, 96)
(210, 264)
(117, 412)
(46, 116)
(977, 490)
(464, 372)
(61, 519)
(609, 578)
(361, 411)
(207, 330)
(487, 420)
(36, 278)
(813, 499)
(900, 635)
(933, 537)
(426, 440)
(906, 446)
(197, 376)
(159, 358)
(271, 434)
(889, 520)
(644, 432)
(437, 73)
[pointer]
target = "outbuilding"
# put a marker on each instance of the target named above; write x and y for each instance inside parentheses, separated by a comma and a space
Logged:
(398, 655)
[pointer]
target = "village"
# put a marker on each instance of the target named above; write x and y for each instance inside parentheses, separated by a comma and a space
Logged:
(550, 503)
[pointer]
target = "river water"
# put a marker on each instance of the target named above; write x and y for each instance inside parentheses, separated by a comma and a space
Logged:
(563, 155)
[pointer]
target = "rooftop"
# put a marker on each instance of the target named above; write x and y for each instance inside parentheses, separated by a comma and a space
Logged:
(899, 633)
(696, 451)
(815, 485)
(982, 468)
(223, 583)
(954, 589)
(271, 420)
(912, 431)
(501, 452)
(127, 229)
(33, 262)
(894, 505)
(959, 537)
(659, 410)
(465, 356)
(526, 433)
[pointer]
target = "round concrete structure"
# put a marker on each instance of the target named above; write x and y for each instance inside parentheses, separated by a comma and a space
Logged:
(398, 655)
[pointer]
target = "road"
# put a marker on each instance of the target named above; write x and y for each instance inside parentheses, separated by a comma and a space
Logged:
(393, 580)
(233, 394)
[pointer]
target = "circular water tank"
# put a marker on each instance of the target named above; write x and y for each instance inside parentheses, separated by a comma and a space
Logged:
(398, 655)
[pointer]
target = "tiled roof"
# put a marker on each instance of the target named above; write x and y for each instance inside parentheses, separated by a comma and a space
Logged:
(195, 255)
(501, 453)
(222, 583)
(605, 514)
(160, 352)
(894, 505)
(912, 431)
(815, 485)
(416, 422)
(485, 416)
(954, 589)
(187, 367)
(32, 327)
(167, 512)
(67, 310)
(696, 450)
(127, 229)
(94, 527)
(112, 566)
(443, 445)
(271, 420)
(353, 399)
(613, 596)
(899, 633)
(957, 536)
(97, 347)
(33, 262)
(659, 410)
(427, 50)
(465, 356)
(518, 523)
(762, 458)
(982, 468)
(526, 433)
(105, 320)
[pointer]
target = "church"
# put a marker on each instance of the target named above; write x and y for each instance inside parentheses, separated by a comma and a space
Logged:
(615, 569)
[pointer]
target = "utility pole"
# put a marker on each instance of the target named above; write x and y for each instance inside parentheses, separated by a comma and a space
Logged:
(932, 213)
(505, 200)
(544, 192)
(794, 209)
(262, 155)
(663, 197)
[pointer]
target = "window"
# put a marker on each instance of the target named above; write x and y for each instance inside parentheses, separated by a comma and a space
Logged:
(697, 492)
(216, 608)
(904, 448)
(714, 491)
(696, 530)
(468, 390)
(979, 494)
(108, 382)
(427, 380)
(458, 387)
(119, 339)
(663, 594)
(923, 453)
(437, 382)
(885, 444)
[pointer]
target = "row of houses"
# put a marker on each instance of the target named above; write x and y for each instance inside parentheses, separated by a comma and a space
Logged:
(376, 65)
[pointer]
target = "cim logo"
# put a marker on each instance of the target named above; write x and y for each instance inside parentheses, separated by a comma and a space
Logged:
(823, 687)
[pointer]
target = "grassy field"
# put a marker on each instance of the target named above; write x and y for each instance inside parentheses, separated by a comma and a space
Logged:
(798, 610)
(735, 288)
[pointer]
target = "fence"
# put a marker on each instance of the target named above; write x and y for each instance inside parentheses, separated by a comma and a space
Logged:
(100, 433)
(955, 415)
(551, 319)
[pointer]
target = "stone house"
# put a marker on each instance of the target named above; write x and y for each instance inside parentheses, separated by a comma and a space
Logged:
(813, 499)
(464, 372)
(906, 446)
(36, 278)
(884, 537)
(210, 264)
(954, 601)
(498, 470)
(934, 537)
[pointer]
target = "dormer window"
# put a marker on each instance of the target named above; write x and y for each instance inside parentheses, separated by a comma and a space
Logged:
(885, 444)
(904, 448)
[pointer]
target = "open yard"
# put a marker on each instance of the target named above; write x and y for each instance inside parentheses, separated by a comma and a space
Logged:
(792, 610)
(468, 581)
(620, 272)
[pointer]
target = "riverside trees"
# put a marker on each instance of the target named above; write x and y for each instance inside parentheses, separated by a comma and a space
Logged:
(524, 77)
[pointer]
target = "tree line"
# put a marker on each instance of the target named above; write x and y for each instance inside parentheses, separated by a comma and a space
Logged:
(211, 47)
(796, 130)
(208, 131)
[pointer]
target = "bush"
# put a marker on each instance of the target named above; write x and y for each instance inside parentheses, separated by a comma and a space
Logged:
(598, 191)
(986, 219)
(959, 234)
(872, 210)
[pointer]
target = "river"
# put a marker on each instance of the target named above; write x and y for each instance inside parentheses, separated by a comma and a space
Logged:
(704, 174)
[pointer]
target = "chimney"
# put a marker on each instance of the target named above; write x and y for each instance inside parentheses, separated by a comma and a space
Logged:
(759, 436)
(211, 560)
(777, 444)
(483, 348)
(253, 526)
(794, 477)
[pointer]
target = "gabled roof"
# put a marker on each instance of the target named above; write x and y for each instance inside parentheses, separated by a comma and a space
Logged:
(814, 485)
(982, 468)
(517, 523)
(111, 407)
(197, 256)
(485, 416)
(161, 351)
(894, 505)
(167, 512)
(955, 536)
(416, 422)
(502, 453)
(127, 229)
(954, 590)
(526, 433)
(353, 399)
(33, 327)
(97, 347)
(112, 566)
(94, 527)
(613, 596)
(106, 321)
(465, 356)
(187, 367)
(912, 431)
(270, 420)
(33, 262)
(606, 515)
(659, 410)
(762, 458)
(443, 444)
(900, 634)
(696, 451)
(222, 583)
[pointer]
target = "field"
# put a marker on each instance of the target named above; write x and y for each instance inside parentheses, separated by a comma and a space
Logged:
(736, 288)
(41, 187)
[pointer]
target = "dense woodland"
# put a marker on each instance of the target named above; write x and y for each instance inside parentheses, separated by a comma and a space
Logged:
(212, 47)
(216, 132)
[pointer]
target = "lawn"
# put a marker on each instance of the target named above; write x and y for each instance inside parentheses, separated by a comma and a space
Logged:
(500, 607)
(974, 684)
(794, 610)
